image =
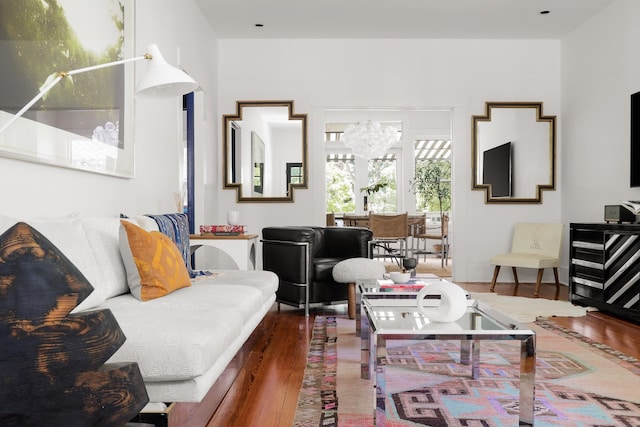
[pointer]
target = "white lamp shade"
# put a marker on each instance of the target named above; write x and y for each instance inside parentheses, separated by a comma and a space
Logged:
(162, 79)
(368, 139)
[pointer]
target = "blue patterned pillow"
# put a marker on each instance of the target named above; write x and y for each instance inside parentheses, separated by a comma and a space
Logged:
(176, 227)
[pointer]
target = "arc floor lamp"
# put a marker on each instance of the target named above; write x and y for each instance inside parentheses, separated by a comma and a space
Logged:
(160, 79)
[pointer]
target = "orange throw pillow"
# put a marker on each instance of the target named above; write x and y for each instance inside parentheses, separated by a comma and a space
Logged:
(154, 264)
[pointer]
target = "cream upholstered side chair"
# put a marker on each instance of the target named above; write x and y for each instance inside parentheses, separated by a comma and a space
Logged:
(534, 245)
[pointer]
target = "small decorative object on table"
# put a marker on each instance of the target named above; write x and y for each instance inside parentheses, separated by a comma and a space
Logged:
(222, 230)
(233, 217)
(409, 265)
(453, 302)
(399, 277)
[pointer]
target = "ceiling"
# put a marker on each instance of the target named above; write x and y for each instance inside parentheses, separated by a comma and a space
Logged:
(398, 19)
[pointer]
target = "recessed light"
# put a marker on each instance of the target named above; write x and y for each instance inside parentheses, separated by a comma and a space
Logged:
(545, 12)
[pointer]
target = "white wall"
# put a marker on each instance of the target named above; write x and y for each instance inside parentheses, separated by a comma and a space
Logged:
(30, 189)
(601, 69)
(457, 74)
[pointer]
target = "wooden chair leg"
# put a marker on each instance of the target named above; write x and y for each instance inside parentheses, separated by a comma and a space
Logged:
(446, 251)
(515, 278)
(351, 300)
(495, 277)
(555, 274)
(536, 292)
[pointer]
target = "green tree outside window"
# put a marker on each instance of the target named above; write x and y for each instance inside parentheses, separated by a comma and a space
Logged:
(432, 186)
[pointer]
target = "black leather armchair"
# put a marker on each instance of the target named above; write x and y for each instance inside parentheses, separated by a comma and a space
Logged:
(304, 257)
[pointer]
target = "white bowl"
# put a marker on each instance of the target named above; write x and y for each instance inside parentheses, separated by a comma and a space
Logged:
(399, 277)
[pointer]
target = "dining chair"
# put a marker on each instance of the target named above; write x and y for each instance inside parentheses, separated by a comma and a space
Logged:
(353, 220)
(331, 219)
(415, 224)
(390, 236)
(439, 233)
(534, 245)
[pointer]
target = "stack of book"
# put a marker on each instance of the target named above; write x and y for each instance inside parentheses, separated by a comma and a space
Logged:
(221, 230)
(412, 285)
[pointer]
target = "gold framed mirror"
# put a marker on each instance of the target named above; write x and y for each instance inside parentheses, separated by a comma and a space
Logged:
(513, 154)
(265, 151)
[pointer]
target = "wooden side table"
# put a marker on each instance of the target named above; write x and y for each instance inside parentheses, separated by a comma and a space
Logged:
(241, 249)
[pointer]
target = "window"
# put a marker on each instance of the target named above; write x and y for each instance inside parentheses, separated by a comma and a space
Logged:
(425, 145)
(382, 184)
(294, 174)
(350, 179)
(340, 182)
(258, 177)
(425, 136)
(432, 178)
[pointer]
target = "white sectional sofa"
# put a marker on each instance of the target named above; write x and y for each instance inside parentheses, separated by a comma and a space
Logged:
(182, 341)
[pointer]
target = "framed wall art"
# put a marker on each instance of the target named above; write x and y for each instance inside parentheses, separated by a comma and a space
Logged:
(86, 121)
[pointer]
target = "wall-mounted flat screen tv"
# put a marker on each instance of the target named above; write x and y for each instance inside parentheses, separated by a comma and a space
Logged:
(497, 170)
(635, 140)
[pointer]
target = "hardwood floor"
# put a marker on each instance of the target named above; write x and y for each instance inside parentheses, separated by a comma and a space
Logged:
(266, 391)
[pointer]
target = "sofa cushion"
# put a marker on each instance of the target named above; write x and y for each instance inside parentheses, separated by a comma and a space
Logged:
(102, 234)
(146, 222)
(264, 281)
(68, 235)
(153, 263)
(181, 335)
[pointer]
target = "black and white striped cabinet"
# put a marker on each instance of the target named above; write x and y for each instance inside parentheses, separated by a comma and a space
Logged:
(604, 271)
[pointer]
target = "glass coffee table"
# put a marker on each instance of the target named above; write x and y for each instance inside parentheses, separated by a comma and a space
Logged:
(395, 320)
(373, 290)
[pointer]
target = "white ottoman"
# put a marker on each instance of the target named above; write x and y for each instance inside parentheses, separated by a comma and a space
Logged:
(353, 269)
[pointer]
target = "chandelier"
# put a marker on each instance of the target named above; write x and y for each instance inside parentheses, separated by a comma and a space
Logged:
(368, 139)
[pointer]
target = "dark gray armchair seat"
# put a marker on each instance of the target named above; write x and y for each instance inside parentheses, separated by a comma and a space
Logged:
(304, 257)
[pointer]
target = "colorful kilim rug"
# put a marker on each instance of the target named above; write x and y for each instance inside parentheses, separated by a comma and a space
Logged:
(578, 382)
(317, 401)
